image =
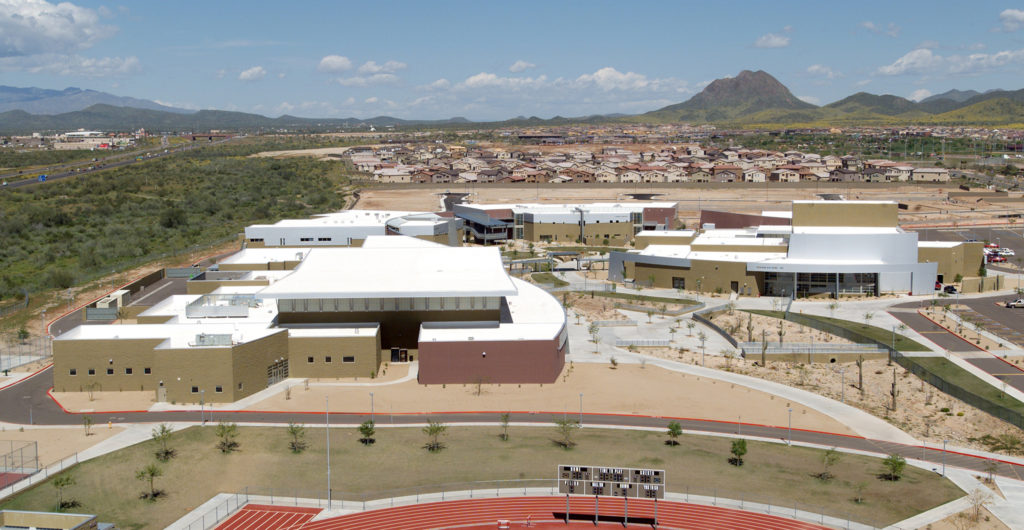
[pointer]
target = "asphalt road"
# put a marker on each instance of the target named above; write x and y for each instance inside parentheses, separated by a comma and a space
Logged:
(1012, 238)
(19, 401)
(933, 331)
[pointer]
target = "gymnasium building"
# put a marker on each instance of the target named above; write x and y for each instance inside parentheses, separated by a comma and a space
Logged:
(349, 228)
(264, 315)
(827, 248)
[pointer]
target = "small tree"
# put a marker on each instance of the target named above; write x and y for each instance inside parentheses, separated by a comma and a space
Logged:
(892, 467)
(674, 431)
(149, 474)
(566, 429)
(434, 430)
(87, 424)
(829, 458)
(505, 416)
(991, 466)
(832, 306)
(858, 492)
(23, 334)
(227, 433)
(781, 331)
(162, 436)
(367, 430)
(750, 327)
(595, 334)
(60, 483)
(614, 362)
(689, 328)
(978, 498)
(738, 449)
(298, 434)
(867, 317)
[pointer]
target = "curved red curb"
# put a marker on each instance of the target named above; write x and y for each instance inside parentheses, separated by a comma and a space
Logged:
(22, 380)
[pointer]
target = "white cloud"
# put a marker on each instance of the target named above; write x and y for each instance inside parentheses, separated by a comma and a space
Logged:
(1012, 19)
(252, 74)
(334, 63)
(929, 44)
(281, 75)
(488, 80)
(30, 27)
(375, 79)
(925, 62)
(890, 29)
(390, 67)
(863, 82)
(371, 100)
(440, 84)
(221, 73)
(285, 108)
(520, 65)
(609, 78)
(810, 99)
(73, 65)
(920, 94)
(350, 101)
(821, 70)
(772, 40)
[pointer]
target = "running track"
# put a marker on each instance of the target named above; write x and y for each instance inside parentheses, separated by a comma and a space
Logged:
(484, 513)
(260, 517)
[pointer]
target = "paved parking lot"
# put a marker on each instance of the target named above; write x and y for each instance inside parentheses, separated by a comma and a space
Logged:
(1012, 238)
(995, 317)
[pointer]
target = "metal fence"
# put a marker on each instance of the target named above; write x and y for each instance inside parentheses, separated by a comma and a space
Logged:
(642, 342)
(15, 353)
(19, 457)
(699, 317)
(811, 347)
(14, 307)
(39, 476)
(614, 323)
(761, 502)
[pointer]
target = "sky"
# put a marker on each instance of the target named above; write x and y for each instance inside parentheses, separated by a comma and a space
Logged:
(492, 60)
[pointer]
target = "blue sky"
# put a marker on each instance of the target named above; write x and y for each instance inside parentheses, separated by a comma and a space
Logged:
(493, 60)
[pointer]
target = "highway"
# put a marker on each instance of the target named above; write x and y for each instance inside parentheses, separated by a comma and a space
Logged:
(29, 398)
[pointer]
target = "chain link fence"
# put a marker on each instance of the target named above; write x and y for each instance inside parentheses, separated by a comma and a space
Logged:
(15, 352)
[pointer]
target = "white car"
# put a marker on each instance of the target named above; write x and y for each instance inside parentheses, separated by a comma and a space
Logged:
(1007, 252)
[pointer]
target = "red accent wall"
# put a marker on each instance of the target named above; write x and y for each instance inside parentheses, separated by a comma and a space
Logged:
(659, 215)
(508, 362)
(739, 220)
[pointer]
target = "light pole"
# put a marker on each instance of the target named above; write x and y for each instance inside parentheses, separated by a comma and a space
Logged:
(944, 457)
(789, 436)
(581, 409)
(371, 406)
(327, 428)
(842, 391)
(202, 406)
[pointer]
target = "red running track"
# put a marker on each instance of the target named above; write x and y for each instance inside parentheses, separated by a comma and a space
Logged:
(266, 517)
(6, 479)
(548, 512)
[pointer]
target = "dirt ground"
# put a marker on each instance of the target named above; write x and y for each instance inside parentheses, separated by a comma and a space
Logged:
(55, 444)
(736, 324)
(664, 393)
(944, 320)
(961, 521)
(918, 405)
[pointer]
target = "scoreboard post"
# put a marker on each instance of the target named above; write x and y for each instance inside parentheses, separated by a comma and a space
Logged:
(611, 482)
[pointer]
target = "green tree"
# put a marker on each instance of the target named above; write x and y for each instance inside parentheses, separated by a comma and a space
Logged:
(566, 430)
(367, 430)
(162, 436)
(434, 431)
(149, 474)
(505, 416)
(23, 334)
(738, 449)
(893, 467)
(227, 433)
(298, 434)
(61, 483)
(828, 459)
(87, 424)
(674, 431)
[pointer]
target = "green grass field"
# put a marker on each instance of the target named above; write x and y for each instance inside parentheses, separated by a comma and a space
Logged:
(773, 472)
(548, 278)
(642, 298)
(952, 373)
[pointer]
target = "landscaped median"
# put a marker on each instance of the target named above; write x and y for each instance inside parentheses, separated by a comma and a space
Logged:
(398, 464)
(854, 331)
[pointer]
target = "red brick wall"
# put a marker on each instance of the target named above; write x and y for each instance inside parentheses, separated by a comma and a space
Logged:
(738, 220)
(506, 362)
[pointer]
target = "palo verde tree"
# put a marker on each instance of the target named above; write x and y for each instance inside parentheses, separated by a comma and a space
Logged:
(505, 416)
(434, 431)
(162, 436)
(566, 430)
(61, 483)
(674, 431)
(828, 459)
(297, 432)
(149, 474)
(367, 430)
(893, 467)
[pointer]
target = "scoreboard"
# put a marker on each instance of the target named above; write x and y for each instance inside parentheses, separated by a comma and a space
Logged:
(611, 481)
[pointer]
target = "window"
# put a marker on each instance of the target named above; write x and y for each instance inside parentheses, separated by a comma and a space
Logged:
(348, 359)
(239, 386)
(147, 371)
(309, 359)
(218, 389)
(195, 390)
(323, 239)
(678, 283)
(305, 239)
(255, 239)
(110, 371)
(327, 359)
(127, 371)
(73, 371)
(92, 371)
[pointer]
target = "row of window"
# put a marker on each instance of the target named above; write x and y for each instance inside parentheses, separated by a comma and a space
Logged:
(309, 239)
(328, 359)
(110, 371)
(218, 389)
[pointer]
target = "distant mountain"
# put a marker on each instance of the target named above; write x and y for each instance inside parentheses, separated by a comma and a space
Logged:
(45, 101)
(733, 97)
(958, 96)
(888, 105)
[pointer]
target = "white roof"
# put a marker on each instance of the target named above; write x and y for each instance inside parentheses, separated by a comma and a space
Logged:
(846, 230)
(938, 244)
(666, 233)
(536, 315)
(778, 214)
(395, 272)
(175, 335)
(666, 251)
(333, 330)
(594, 207)
(398, 242)
(265, 255)
(736, 256)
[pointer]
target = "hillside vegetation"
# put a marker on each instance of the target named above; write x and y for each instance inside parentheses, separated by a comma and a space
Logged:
(59, 234)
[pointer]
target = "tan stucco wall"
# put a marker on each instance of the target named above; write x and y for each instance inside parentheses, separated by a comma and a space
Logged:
(836, 213)
(365, 349)
(250, 362)
(643, 242)
(618, 233)
(740, 248)
(712, 275)
(272, 266)
(209, 286)
(963, 259)
(397, 328)
(81, 355)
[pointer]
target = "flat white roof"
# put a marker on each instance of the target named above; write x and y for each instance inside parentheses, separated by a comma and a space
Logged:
(346, 218)
(398, 242)
(818, 201)
(176, 336)
(593, 207)
(265, 255)
(666, 251)
(938, 244)
(395, 272)
(666, 233)
(703, 255)
(333, 330)
(778, 214)
(739, 241)
(536, 315)
(846, 230)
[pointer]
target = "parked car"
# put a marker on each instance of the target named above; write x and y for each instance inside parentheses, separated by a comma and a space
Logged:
(991, 245)
(949, 289)
(996, 259)
(1018, 303)
(938, 286)
(1007, 252)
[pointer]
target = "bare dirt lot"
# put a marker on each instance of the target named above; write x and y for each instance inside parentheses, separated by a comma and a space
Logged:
(58, 443)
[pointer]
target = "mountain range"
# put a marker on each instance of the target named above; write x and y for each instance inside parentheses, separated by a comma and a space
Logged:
(750, 99)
